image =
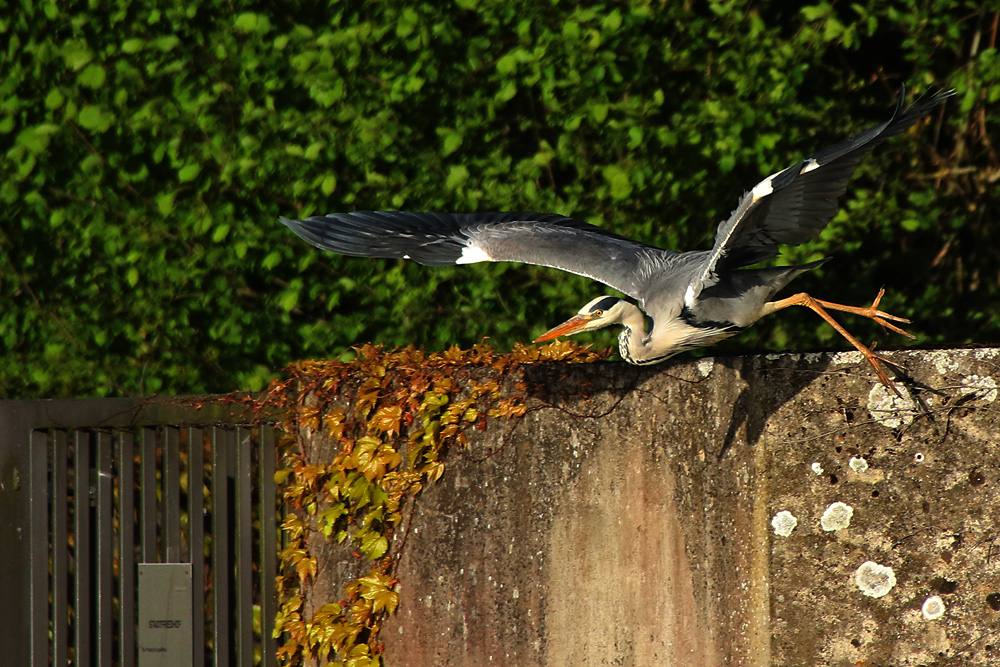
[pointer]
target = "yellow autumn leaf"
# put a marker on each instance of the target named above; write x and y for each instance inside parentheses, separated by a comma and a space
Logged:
(386, 419)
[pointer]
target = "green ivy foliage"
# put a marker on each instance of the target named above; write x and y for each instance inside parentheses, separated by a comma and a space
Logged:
(145, 154)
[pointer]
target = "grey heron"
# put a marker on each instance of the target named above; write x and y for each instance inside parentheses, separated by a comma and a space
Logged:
(693, 298)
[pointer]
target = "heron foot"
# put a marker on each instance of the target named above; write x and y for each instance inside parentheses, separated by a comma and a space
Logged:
(873, 313)
(876, 361)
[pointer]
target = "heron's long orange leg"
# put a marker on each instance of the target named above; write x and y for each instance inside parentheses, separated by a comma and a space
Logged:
(871, 312)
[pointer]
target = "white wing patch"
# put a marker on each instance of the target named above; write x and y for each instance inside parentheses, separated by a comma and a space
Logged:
(472, 254)
(762, 189)
(809, 166)
(689, 296)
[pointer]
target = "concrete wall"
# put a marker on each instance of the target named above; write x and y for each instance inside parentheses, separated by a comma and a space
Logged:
(627, 520)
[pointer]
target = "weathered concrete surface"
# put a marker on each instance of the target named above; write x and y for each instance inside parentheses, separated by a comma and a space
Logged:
(627, 520)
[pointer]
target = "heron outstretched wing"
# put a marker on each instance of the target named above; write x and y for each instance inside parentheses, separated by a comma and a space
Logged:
(439, 239)
(794, 205)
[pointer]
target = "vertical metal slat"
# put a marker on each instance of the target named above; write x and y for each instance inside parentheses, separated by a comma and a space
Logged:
(105, 551)
(60, 551)
(81, 518)
(171, 495)
(126, 549)
(147, 497)
(244, 548)
(39, 547)
(221, 565)
(82, 571)
(196, 519)
(266, 463)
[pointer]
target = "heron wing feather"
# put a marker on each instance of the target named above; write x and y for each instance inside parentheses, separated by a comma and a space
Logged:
(794, 205)
(440, 239)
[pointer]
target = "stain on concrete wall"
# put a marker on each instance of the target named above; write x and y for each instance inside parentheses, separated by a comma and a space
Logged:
(628, 520)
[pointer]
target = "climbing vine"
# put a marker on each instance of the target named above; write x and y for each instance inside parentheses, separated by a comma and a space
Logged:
(363, 438)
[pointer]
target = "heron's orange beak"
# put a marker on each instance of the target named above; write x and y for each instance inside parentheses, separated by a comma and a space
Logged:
(573, 325)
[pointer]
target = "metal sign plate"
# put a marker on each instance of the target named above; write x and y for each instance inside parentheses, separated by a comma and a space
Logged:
(165, 615)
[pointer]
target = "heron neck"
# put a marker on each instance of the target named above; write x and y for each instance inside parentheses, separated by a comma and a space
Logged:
(632, 344)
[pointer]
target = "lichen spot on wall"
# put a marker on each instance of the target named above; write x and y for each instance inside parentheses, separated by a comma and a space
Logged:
(874, 580)
(933, 608)
(858, 464)
(836, 517)
(784, 523)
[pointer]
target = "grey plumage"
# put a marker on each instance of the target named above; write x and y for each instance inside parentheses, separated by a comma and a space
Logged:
(439, 239)
(693, 298)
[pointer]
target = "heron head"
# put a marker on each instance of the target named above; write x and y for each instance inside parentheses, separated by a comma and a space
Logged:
(599, 313)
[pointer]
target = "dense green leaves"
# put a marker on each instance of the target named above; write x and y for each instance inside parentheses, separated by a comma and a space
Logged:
(146, 153)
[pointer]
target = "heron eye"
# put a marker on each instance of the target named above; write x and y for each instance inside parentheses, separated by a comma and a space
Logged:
(598, 313)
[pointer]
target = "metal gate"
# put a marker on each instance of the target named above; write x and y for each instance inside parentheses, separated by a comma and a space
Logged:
(91, 488)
